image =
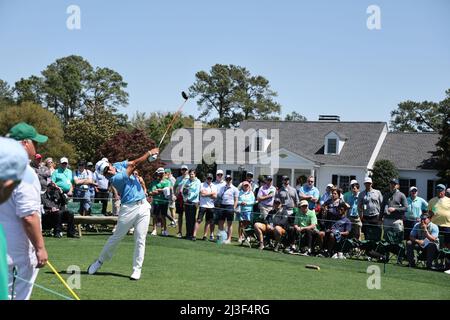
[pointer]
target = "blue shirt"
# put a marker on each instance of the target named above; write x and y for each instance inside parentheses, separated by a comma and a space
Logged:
(419, 234)
(191, 190)
(309, 191)
(248, 198)
(129, 187)
(415, 208)
(352, 201)
(228, 194)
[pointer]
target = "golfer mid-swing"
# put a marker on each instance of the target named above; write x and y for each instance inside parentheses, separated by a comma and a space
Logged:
(134, 210)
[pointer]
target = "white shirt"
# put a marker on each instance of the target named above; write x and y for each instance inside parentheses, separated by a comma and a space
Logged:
(207, 202)
(24, 201)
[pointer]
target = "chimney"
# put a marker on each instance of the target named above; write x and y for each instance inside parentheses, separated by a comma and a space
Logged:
(332, 118)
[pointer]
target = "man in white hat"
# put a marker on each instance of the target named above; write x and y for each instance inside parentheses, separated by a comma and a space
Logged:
(369, 208)
(20, 217)
(63, 177)
(13, 161)
(179, 203)
(134, 211)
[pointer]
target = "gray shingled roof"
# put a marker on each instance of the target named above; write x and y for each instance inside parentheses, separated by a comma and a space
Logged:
(307, 139)
(408, 150)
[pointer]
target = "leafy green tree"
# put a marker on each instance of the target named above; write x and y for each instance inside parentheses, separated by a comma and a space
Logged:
(30, 90)
(156, 123)
(45, 123)
(229, 94)
(383, 171)
(93, 129)
(411, 116)
(295, 116)
(130, 145)
(6, 93)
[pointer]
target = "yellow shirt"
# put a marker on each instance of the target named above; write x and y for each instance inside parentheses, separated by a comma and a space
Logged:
(441, 209)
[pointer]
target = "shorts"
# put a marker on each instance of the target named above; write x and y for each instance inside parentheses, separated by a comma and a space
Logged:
(160, 210)
(179, 205)
(226, 212)
(244, 216)
(264, 211)
(208, 212)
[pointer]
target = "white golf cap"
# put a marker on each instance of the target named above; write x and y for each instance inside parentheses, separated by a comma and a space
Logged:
(160, 170)
(330, 185)
(64, 160)
(101, 165)
(184, 167)
(13, 159)
(367, 180)
(353, 182)
(219, 171)
(412, 188)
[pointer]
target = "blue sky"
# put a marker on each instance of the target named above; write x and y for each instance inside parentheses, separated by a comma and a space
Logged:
(318, 55)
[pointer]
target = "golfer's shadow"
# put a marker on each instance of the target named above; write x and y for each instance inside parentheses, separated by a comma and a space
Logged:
(96, 274)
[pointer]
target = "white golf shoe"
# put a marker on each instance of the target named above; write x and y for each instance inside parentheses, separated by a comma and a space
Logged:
(136, 275)
(93, 268)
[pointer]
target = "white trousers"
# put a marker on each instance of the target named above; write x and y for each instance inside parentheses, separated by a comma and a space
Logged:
(130, 215)
(23, 284)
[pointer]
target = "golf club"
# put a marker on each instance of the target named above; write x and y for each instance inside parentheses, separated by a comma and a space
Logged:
(175, 116)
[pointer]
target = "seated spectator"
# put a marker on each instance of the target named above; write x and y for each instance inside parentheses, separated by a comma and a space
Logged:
(274, 225)
(304, 227)
(333, 235)
(424, 237)
(330, 209)
(55, 213)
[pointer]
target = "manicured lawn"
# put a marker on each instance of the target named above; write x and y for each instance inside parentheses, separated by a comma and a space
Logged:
(180, 269)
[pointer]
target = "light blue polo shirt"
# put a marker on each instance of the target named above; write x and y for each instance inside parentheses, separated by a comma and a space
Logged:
(310, 191)
(228, 194)
(191, 190)
(415, 208)
(129, 187)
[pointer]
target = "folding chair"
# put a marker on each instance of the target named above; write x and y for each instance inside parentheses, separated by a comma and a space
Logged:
(74, 208)
(392, 246)
(249, 232)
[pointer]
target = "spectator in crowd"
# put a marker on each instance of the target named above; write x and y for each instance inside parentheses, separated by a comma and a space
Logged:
(134, 211)
(13, 162)
(63, 177)
(20, 218)
(333, 235)
(55, 213)
(179, 204)
(228, 196)
(347, 195)
(82, 194)
(394, 208)
(90, 169)
(249, 179)
(447, 192)
(305, 227)
(351, 198)
(288, 196)
(439, 209)
(309, 193)
(158, 189)
(50, 165)
(424, 237)
(277, 217)
(327, 194)
(330, 209)
(191, 198)
(265, 197)
(168, 175)
(416, 206)
(369, 208)
(245, 201)
(301, 180)
(219, 183)
(42, 172)
(208, 195)
(101, 190)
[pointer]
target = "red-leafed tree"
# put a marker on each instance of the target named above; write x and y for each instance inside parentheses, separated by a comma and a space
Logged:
(129, 146)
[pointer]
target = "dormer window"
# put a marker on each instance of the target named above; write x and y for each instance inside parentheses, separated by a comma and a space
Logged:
(334, 142)
(332, 145)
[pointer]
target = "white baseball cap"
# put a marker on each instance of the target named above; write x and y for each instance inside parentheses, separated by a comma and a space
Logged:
(184, 167)
(330, 185)
(160, 170)
(64, 160)
(219, 172)
(367, 180)
(101, 165)
(353, 182)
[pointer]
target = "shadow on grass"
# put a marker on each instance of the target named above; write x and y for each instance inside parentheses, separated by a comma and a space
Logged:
(96, 274)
